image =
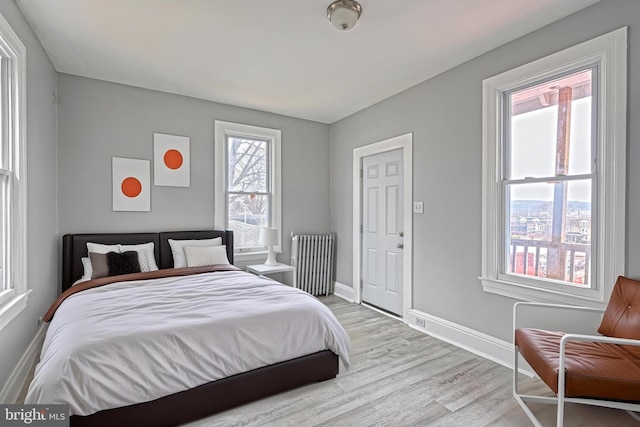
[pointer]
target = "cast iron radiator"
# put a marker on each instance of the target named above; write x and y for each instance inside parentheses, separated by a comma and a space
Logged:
(312, 258)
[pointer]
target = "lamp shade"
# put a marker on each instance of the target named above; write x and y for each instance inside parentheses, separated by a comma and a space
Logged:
(268, 236)
(344, 14)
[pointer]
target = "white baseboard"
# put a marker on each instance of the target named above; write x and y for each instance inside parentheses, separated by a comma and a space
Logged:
(476, 342)
(343, 291)
(12, 388)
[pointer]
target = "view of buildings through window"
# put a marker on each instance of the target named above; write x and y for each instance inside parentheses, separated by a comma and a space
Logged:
(549, 174)
(248, 189)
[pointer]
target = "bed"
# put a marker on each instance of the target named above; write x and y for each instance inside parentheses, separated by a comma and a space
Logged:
(82, 321)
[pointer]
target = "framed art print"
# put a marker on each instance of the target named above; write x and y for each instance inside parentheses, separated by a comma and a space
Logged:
(171, 163)
(131, 184)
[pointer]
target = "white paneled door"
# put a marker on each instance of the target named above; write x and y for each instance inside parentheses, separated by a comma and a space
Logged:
(382, 230)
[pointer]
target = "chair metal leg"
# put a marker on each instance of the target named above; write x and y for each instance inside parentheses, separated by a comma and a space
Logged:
(515, 370)
(633, 415)
(560, 416)
(516, 395)
(561, 385)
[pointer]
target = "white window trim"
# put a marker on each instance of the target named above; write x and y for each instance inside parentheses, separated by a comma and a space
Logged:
(14, 300)
(222, 129)
(610, 52)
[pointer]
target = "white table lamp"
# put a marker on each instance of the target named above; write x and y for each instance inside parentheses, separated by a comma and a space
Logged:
(269, 238)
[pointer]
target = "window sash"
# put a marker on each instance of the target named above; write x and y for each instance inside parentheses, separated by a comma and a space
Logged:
(558, 178)
(7, 177)
(256, 247)
(506, 113)
(268, 165)
(506, 261)
(14, 290)
(607, 55)
(223, 130)
(504, 271)
(239, 247)
(6, 218)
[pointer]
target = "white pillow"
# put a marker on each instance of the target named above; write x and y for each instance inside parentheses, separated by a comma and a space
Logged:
(205, 255)
(99, 248)
(80, 280)
(88, 270)
(177, 248)
(149, 260)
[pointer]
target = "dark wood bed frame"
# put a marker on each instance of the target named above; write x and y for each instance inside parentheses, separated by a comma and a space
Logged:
(207, 399)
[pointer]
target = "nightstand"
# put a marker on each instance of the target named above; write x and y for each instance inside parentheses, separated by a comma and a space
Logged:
(265, 270)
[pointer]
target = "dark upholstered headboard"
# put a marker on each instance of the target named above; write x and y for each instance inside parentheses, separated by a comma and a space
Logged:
(74, 247)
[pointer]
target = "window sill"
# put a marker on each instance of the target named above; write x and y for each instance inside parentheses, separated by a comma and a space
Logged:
(525, 292)
(252, 256)
(12, 308)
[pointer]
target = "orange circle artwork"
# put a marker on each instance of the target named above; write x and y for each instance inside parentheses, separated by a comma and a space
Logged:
(173, 159)
(131, 187)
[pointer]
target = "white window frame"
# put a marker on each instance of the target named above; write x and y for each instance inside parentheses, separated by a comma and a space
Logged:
(274, 136)
(14, 296)
(609, 54)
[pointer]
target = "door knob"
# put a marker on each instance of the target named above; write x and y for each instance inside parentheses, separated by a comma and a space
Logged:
(400, 246)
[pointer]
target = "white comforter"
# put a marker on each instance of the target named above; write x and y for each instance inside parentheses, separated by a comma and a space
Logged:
(137, 341)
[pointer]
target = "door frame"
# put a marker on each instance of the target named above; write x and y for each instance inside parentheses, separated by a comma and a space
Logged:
(405, 143)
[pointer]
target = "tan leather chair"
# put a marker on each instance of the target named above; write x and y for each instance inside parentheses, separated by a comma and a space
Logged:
(600, 370)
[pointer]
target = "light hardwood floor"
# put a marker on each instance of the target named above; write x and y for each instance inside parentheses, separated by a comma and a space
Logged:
(402, 377)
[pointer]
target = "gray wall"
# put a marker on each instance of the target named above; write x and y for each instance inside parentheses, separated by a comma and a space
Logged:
(42, 238)
(99, 120)
(445, 116)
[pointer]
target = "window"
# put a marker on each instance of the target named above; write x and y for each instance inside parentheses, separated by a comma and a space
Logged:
(247, 183)
(13, 280)
(554, 144)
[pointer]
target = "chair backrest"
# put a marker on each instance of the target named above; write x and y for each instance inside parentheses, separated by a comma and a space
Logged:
(622, 317)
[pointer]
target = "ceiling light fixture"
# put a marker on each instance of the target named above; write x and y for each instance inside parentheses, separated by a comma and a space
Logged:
(344, 14)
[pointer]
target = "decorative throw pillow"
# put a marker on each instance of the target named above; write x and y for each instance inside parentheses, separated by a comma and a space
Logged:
(123, 263)
(99, 266)
(177, 248)
(143, 258)
(147, 259)
(205, 255)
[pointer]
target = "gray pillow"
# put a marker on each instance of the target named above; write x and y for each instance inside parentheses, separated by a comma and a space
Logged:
(99, 265)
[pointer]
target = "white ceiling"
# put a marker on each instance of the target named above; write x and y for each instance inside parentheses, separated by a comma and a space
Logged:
(281, 56)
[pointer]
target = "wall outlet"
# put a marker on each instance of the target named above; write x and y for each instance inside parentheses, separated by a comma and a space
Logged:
(418, 207)
(420, 322)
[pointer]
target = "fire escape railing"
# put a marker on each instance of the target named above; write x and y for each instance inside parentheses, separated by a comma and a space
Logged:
(573, 249)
